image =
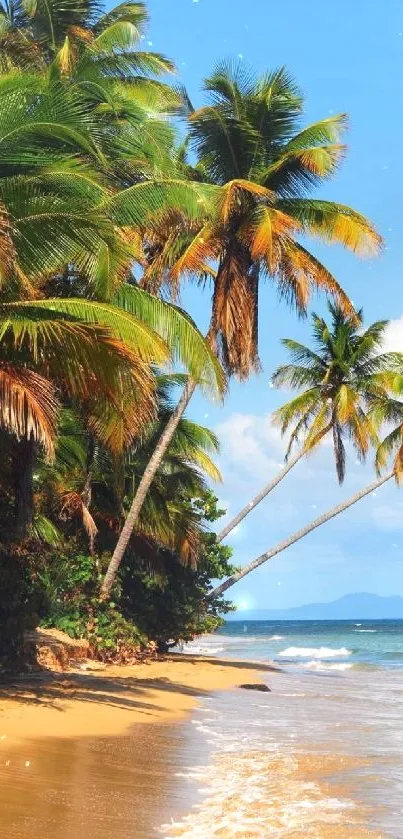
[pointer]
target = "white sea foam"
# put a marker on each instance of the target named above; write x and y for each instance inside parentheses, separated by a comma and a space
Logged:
(323, 665)
(293, 694)
(267, 799)
(314, 652)
(365, 630)
(276, 638)
(198, 649)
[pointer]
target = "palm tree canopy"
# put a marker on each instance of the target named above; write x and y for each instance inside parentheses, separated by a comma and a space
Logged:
(249, 140)
(76, 350)
(386, 410)
(73, 33)
(340, 376)
(89, 486)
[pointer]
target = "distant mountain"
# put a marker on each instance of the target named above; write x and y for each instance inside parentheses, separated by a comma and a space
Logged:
(350, 607)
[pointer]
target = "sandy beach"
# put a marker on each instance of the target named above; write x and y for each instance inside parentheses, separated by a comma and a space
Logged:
(95, 753)
(120, 751)
(108, 700)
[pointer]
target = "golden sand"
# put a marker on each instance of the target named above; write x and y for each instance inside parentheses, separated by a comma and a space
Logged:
(88, 755)
(107, 702)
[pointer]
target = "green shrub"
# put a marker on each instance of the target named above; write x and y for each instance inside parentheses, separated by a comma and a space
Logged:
(171, 607)
(69, 585)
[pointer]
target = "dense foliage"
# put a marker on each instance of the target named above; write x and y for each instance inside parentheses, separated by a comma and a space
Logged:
(160, 601)
(104, 481)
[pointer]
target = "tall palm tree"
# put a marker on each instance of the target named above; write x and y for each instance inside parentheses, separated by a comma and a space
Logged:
(340, 375)
(249, 143)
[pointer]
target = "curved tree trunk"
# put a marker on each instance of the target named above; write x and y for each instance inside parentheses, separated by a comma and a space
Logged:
(299, 534)
(270, 486)
(23, 469)
(143, 487)
(260, 496)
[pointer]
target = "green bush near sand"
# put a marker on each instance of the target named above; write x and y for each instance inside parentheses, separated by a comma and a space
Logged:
(59, 588)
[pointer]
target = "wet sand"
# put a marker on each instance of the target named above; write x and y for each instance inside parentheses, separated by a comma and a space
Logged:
(89, 755)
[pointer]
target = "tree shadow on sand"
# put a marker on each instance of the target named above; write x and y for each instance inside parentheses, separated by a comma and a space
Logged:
(47, 688)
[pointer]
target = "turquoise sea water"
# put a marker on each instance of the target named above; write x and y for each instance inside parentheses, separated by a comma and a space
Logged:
(312, 643)
(321, 755)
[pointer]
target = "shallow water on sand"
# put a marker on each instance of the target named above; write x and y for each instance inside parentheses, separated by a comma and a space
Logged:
(319, 757)
(95, 788)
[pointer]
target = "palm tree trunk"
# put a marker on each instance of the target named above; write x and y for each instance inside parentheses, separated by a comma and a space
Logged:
(143, 487)
(23, 468)
(299, 534)
(260, 496)
(270, 486)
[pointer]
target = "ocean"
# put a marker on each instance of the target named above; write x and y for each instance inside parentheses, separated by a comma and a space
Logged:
(318, 757)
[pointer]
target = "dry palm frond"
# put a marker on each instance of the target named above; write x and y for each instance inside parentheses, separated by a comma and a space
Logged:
(235, 307)
(73, 506)
(28, 405)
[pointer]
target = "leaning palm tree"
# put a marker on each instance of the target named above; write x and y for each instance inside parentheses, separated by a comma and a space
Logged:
(249, 143)
(299, 534)
(385, 408)
(339, 381)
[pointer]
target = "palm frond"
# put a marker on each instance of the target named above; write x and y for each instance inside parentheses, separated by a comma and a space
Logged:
(184, 340)
(334, 223)
(28, 405)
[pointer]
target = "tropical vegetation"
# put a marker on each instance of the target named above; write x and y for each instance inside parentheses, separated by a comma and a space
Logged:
(114, 191)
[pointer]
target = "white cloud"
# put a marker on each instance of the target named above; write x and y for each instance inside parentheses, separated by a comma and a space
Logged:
(393, 338)
(251, 442)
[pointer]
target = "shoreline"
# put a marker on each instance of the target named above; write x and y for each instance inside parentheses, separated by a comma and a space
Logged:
(110, 743)
(97, 753)
(109, 700)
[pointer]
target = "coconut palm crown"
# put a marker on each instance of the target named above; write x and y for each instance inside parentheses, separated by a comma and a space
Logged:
(340, 377)
(249, 141)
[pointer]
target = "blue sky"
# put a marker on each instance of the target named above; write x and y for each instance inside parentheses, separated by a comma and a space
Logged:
(348, 57)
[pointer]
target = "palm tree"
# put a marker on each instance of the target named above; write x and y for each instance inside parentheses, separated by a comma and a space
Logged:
(186, 463)
(59, 217)
(249, 143)
(340, 377)
(98, 55)
(78, 350)
(89, 486)
(385, 408)
(61, 203)
(78, 36)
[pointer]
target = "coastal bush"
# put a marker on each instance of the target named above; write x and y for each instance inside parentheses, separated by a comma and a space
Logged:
(170, 606)
(69, 587)
(152, 607)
